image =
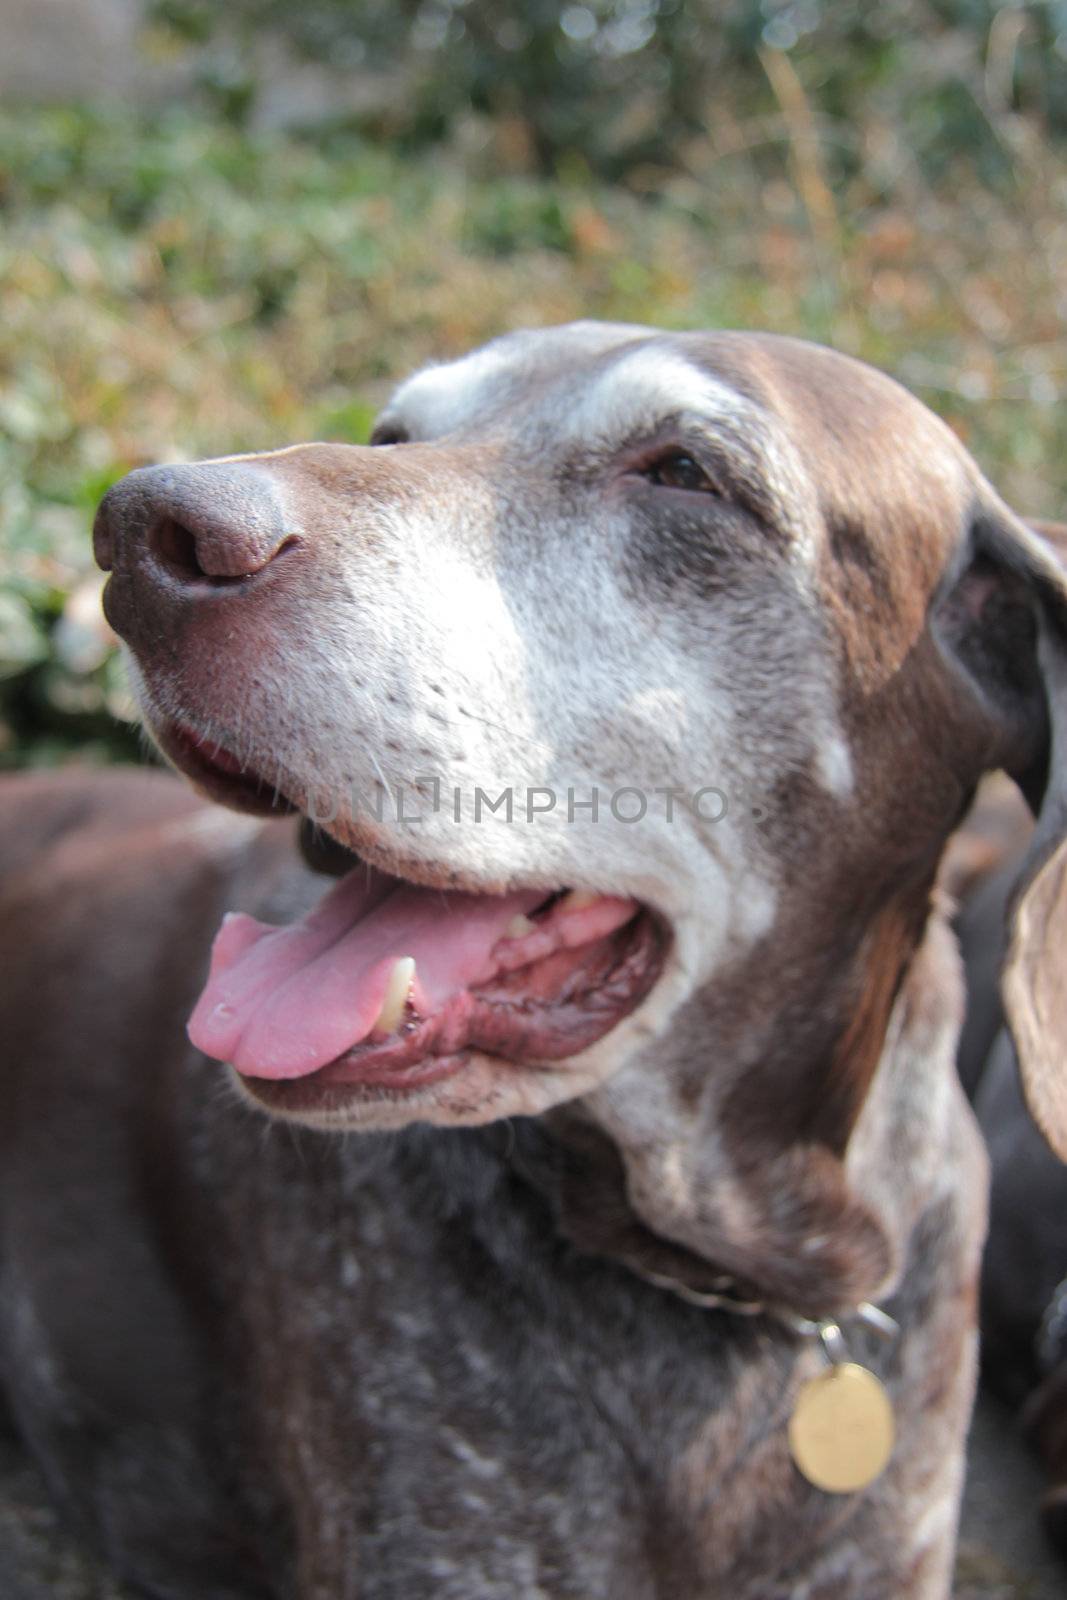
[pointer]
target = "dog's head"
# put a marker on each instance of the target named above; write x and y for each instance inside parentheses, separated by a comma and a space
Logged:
(646, 675)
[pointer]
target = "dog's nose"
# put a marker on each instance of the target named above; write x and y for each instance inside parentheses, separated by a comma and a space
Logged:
(220, 521)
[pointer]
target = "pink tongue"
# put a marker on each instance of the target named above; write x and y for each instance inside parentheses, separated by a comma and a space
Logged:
(282, 1002)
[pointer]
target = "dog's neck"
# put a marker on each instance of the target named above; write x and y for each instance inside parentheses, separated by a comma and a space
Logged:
(747, 1189)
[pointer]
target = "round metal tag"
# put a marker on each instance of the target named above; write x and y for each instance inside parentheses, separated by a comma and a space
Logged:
(841, 1432)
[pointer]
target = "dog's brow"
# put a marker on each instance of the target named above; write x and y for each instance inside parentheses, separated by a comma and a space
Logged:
(440, 398)
(644, 387)
(641, 388)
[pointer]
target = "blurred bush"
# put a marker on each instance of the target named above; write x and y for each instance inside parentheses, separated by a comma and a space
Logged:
(618, 84)
(190, 283)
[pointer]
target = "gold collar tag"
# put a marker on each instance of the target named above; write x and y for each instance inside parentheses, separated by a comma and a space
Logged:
(841, 1432)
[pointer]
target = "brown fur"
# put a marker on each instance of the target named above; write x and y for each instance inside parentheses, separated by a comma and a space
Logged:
(428, 1360)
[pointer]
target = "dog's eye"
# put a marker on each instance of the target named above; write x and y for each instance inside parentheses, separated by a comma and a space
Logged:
(389, 433)
(679, 471)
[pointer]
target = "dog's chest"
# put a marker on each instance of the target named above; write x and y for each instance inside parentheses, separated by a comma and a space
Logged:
(458, 1409)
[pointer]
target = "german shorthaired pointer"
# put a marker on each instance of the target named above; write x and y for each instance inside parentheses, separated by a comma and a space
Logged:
(542, 1236)
(1023, 1307)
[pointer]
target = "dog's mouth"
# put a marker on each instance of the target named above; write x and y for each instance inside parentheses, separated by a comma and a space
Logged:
(390, 985)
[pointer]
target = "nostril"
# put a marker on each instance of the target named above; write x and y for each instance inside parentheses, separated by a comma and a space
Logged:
(175, 547)
(191, 557)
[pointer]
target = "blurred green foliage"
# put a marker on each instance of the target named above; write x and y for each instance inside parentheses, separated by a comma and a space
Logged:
(615, 84)
(187, 283)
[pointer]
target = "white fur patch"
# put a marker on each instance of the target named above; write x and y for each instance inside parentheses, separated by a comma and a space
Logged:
(834, 762)
(642, 387)
(437, 399)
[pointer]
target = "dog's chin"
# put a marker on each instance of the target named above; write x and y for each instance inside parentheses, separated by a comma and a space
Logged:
(410, 992)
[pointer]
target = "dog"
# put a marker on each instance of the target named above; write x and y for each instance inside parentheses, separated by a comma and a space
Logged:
(1023, 1305)
(591, 1100)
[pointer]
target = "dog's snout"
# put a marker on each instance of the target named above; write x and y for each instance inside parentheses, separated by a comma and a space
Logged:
(214, 522)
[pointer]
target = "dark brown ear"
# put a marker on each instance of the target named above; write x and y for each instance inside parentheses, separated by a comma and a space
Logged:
(1034, 977)
(1003, 618)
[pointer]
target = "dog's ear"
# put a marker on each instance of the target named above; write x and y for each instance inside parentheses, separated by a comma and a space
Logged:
(1006, 619)
(1034, 979)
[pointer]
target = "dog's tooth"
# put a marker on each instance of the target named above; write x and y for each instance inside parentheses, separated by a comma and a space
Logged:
(578, 900)
(396, 995)
(519, 926)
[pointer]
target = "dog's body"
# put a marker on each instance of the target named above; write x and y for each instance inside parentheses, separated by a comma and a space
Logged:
(427, 1360)
(228, 1342)
(1024, 1269)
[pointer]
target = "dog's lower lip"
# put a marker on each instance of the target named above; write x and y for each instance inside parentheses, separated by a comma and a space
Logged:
(219, 772)
(328, 1088)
